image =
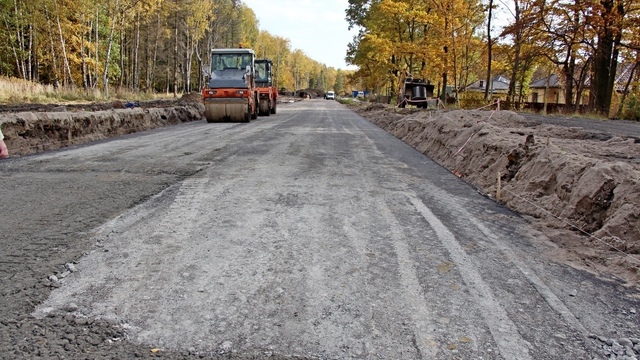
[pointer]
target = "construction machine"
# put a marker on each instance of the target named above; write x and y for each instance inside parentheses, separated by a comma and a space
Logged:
(416, 92)
(267, 92)
(230, 93)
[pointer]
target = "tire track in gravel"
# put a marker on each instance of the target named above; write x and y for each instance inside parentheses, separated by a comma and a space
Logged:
(509, 342)
(504, 331)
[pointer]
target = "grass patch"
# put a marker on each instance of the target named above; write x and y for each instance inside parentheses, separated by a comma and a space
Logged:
(345, 101)
(18, 91)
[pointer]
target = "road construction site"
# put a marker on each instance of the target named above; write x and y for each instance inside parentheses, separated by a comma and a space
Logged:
(316, 233)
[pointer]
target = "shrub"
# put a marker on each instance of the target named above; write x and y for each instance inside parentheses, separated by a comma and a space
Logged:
(472, 100)
(631, 109)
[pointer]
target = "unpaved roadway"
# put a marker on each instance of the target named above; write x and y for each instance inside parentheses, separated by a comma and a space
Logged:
(308, 234)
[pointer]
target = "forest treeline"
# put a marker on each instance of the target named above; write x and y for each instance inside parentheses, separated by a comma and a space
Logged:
(593, 45)
(162, 46)
(141, 45)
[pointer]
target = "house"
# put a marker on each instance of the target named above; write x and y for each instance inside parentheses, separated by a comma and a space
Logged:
(551, 89)
(547, 88)
(625, 71)
(498, 88)
(548, 91)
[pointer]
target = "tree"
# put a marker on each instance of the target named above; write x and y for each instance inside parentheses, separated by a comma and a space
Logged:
(143, 45)
(250, 26)
(607, 19)
(338, 86)
(428, 39)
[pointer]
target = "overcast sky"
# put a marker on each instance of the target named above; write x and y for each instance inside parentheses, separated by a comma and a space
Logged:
(318, 28)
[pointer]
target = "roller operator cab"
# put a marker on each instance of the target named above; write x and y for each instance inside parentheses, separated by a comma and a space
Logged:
(230, 94)
(267, 92)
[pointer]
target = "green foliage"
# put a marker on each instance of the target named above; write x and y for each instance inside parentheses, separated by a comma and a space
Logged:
(472, 100)
(338, 86)
(346, 101)
(631, 109)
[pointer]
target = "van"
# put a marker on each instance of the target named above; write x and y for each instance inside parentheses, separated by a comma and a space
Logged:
(330, 95)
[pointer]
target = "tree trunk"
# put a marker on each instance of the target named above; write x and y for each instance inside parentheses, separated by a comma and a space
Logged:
(199, 58)
(546, 91)
(97, 69)
(602, 86)
(105, 73)
(188, 57)
(32, 59)
(20, 40)
(443, 95)
(175, 57)
(489, 50)
(516, 57)
(83, 67)
(611, 83)
(601, 70)
(121, 55)
(67, 68)
(147, 64)
(136, 67)
(13, 48)
(582, 79)
(155, 55)
(568, 73)
(54, 63)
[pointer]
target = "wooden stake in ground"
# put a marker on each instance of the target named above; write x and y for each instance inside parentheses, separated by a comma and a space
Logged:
(499, 190)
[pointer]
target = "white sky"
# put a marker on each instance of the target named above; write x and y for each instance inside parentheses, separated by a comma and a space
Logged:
(317, 27)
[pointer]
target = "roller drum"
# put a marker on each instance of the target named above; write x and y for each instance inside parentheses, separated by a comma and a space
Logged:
(419, 92)
(264, 107)
(218, 110)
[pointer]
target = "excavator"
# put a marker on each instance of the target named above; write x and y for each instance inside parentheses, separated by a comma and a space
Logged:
(267, 92)
(230, 93)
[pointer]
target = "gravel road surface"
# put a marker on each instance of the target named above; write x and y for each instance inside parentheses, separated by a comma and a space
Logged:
(308, 234)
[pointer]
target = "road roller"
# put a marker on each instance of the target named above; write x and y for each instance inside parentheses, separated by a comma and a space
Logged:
(416, 92)
(230, 92)
(267, 92)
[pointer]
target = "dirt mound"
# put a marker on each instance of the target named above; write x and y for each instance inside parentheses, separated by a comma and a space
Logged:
(582, 187)
(43, 127)
(98, 106)
(191, 98)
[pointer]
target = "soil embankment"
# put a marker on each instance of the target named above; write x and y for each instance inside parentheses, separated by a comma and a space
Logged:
(581, 186)
(31, 128)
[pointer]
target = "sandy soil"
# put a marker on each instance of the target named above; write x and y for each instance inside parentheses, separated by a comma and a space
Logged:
(580, 187)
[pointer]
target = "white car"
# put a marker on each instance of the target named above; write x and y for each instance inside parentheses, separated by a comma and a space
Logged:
(330, 95)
